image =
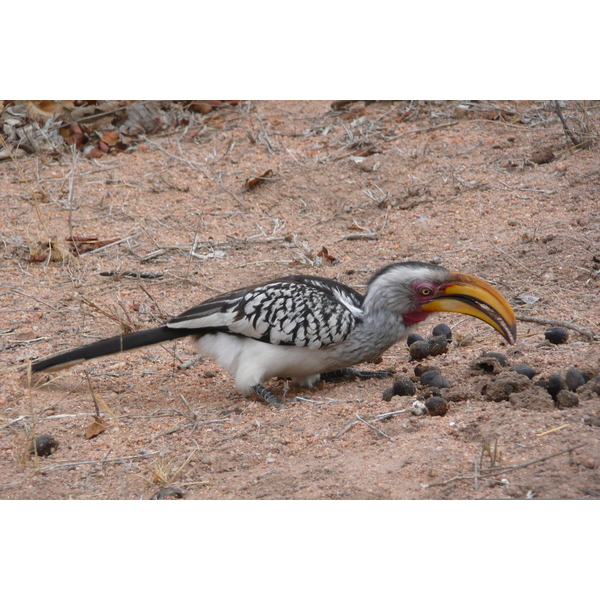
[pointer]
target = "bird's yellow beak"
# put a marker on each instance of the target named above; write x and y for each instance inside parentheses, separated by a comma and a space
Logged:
(466, 294)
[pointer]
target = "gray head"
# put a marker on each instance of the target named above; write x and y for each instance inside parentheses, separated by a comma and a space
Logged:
(413, 290)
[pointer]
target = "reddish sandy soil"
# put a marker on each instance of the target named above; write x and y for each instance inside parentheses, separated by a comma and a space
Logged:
(493, 189)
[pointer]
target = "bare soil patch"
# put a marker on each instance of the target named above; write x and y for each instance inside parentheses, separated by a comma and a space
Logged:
(199, 203)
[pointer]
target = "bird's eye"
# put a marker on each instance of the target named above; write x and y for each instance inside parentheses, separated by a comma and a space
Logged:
(425, 291)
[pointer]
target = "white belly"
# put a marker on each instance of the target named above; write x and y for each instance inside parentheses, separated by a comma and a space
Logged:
(251, 362)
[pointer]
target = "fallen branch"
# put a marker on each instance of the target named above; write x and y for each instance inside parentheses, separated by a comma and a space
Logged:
(556, 323)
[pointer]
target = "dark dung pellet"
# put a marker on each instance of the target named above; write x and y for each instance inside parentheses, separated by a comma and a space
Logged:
(442, 329)
(438, 345)
(420, 349)
(556, 335)
(412, 338)
(574, 379)
(44, 445)
(523, 369)
(420, 369)
(403, 386)
(434, 379)
(388, 395)
(566, 399)
(556, 383)
(436, 406)
(501, 358)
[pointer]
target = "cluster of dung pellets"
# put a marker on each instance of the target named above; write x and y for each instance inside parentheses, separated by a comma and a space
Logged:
(429, 400)
(562, 388)
(434, 345)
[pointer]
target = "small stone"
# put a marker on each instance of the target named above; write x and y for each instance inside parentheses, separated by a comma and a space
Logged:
(574, 379)
(437, 406)
(556, 335)
(44, 445)
(523, 369)
(442, 329)
(589, 463)
(566, 399)
(412, 338)
(434, 379)
(556, 383)
(420, 349)
(403, 386)
(420, 369)
(592, 421)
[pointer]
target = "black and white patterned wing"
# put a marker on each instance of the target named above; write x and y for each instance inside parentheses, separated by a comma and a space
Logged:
(298, 310)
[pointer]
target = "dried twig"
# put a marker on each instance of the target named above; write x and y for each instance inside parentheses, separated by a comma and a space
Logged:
(557, 323)
(68, 465)
(361, 420)
(125, 239)
(568, 132)
(502, 470)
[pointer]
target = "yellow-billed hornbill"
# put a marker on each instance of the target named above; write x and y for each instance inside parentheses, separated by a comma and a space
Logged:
(304, 326)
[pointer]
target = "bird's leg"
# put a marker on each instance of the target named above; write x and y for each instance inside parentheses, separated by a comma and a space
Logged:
(351, 373)
(267, 396)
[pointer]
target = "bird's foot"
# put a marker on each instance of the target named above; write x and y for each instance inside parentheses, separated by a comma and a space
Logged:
(351, 373)
(264, 394)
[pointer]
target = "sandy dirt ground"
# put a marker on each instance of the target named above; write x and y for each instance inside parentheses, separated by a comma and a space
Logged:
(205, 199)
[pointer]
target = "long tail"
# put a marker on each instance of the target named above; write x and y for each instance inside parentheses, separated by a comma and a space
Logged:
(120, 343)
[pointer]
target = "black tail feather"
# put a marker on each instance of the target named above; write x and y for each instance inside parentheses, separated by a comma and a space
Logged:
(120, 343)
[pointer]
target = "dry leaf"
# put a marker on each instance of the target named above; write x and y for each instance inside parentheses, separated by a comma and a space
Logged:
(96, 428)
(110, 138)
(252, 182)
(82, 244)
(324, 254)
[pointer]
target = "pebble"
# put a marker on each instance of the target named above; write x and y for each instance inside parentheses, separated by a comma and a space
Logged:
(556, 335)
(523, 369)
